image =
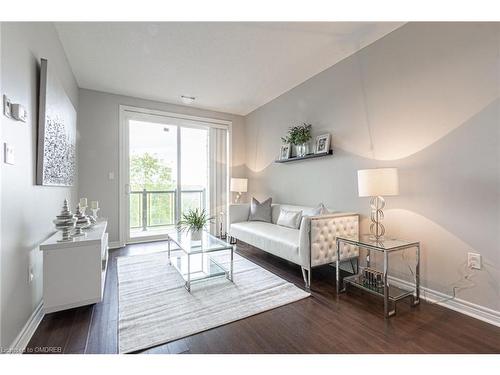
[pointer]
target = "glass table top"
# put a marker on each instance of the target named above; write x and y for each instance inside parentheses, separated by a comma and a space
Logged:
(207, 244)
(200, 267)
(384, 243)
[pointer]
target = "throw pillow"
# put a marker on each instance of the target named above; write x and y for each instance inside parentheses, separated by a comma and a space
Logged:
(323, 210)
(260, 211)
(320, 210)
(290, 219)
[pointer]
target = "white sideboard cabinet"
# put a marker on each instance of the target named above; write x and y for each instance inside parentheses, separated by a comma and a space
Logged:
(74, 272)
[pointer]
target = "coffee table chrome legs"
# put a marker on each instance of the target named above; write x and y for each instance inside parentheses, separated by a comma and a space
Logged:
(229, 272)
(188, 282)
(168, 241)
(416, 300)
(231, 266)
(337, 270)
(387, 313)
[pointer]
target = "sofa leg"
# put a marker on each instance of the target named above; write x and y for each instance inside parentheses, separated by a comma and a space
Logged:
(306, 274)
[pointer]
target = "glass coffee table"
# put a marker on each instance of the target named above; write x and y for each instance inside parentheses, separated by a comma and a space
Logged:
(195, 261)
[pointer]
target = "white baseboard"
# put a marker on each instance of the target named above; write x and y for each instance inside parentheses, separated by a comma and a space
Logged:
(464, 307)
(115, 245)
(23, 338)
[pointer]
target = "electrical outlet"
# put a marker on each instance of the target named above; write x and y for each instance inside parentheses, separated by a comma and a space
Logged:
(474, 261)
(9, 154)
(31, 274)
(6, 107)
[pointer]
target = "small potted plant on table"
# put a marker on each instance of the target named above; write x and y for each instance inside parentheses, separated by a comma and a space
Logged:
(298, 136)
(194, 221)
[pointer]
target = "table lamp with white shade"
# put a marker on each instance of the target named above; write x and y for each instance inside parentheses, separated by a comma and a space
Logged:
(239, 185)
(377, 183)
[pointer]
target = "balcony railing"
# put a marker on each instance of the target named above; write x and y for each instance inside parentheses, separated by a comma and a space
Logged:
(156, 208)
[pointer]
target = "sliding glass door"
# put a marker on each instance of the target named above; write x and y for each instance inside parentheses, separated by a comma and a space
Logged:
(153, 177)
(169, 171)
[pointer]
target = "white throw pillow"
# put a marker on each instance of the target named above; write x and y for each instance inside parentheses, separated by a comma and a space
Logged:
(320, 210)
(290, 219)
(323, 210)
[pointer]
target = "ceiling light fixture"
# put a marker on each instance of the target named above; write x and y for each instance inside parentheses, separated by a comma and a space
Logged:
(187, 99)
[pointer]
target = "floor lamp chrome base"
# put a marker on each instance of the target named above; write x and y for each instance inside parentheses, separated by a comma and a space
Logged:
(377, 205)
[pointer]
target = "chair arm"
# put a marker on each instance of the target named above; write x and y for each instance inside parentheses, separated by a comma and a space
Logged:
(324, 231)
(238, 213)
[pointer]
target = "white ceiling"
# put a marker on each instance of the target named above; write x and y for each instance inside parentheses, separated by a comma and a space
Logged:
(229, 67)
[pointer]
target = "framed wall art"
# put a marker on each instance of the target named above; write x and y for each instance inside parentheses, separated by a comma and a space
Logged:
(56, 149)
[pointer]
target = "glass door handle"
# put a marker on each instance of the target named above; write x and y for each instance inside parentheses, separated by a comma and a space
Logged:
(127, 189)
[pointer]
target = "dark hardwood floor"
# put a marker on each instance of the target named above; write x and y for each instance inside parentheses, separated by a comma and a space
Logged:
(323, 323)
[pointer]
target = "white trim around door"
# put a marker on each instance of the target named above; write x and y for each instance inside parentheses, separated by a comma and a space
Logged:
(125, 112)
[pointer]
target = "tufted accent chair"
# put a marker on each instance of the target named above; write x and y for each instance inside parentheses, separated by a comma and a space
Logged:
(312, 245)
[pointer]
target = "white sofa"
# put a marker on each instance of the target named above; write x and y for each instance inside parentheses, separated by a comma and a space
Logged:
(312, 245)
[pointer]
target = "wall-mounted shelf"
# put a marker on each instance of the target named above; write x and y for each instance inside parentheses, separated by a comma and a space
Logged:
(308, 156)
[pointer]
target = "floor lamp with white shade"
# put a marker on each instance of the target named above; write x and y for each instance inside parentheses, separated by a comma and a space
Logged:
(377, 183)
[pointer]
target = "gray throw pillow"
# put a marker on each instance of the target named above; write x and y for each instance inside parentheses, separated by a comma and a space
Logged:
(260, 211)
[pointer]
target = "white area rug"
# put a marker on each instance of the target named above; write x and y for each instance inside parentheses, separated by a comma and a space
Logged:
(155, 308)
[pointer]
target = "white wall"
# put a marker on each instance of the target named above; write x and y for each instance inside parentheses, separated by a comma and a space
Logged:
(30, 209)
(98, 118)
(1, 143)
(428, 94)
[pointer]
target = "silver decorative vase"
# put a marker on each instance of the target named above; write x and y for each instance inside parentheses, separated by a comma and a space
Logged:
(82, 222)
(301, 149)
(196, 235)
(65, 222)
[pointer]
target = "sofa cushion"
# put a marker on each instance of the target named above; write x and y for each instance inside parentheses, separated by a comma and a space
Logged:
(260, 211)
(275, 239)
(290, 219)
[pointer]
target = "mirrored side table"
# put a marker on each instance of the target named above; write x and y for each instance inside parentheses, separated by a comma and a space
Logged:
(377, 282)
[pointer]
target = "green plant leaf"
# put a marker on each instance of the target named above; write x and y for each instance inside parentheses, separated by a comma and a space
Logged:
(194, 220)
(298, 134)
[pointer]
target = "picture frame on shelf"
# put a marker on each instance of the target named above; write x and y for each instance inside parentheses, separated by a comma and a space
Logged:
(285, 151)
(322, 144)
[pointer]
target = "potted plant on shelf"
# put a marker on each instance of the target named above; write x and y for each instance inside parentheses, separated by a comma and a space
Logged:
(194, 221)
(298, 136)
